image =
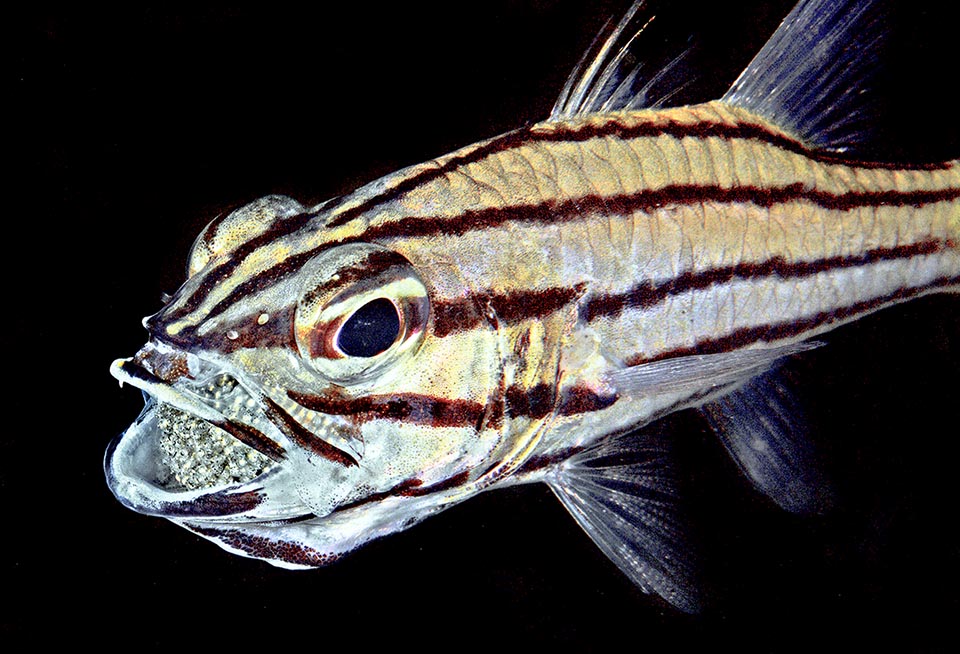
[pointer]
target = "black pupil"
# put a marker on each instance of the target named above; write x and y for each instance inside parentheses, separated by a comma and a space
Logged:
(370, 330)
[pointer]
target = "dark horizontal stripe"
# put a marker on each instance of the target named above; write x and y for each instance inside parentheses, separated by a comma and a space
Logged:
(399, 490)
(213, 504)
(409, 488)
(535, 402)
(648, 294)
(407, 407)
(552, 212)
(304, 437)
(564, 211)
(253, 438)
(584, 131)
(772, 332)
(450, 316)
(541, 399)
(280, 228)
(261, 547)
(456, 480)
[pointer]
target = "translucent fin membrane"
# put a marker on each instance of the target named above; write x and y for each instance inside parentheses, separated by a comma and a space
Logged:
(631, 65)
(816, 74)
(624, 494)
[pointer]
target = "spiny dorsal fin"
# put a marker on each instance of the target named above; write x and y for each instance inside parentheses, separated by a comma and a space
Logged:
(623, 493)
(814, 75)
(632, 64)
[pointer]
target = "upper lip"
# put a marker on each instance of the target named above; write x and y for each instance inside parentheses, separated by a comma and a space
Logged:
(131, 372)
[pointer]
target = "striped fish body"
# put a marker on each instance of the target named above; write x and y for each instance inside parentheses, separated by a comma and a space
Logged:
(506, 314)
(633, 238)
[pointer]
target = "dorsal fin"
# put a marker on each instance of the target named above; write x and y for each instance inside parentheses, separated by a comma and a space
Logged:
(814, 77)
(633, 63)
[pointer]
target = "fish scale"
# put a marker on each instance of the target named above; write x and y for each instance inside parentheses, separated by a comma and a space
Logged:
(550, 293)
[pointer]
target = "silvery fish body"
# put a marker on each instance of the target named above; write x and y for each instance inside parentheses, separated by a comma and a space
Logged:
(518, 310)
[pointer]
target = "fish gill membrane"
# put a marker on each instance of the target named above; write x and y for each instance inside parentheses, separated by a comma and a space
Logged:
(531, 362)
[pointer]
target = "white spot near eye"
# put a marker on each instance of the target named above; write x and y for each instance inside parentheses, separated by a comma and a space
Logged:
(233, 335)
(263, 318)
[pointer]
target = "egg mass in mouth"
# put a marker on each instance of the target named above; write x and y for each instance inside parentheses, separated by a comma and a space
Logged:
(199, 455)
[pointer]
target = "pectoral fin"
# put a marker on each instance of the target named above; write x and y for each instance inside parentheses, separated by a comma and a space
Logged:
(697, 373)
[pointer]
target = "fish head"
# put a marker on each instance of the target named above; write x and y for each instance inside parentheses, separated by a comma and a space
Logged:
(305, 392)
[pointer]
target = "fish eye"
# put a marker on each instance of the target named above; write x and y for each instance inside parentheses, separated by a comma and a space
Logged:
(362, 309)
(372, 329)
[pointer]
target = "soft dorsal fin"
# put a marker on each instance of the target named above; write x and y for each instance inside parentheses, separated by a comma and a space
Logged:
(635, 63)
(814, 77)
(623, 492)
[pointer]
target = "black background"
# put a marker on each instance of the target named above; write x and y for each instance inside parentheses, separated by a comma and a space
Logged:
(133, 127)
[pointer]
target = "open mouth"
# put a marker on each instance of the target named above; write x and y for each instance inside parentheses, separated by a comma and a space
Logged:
(208, 446)
(197, 432)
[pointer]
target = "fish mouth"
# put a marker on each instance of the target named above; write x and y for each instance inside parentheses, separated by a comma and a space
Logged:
(202, 445)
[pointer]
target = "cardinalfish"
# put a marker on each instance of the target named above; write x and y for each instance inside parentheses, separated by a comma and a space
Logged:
(522, 309)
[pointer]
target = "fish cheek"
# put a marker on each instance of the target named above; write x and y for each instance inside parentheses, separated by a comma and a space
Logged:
(324, 485)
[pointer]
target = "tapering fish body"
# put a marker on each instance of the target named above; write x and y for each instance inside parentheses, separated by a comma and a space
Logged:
(504, 313)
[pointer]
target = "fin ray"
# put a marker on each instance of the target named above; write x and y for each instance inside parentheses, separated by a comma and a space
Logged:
(814, 75)
(762, 427)
(694, 373)
(638, 62)
(624, 494)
